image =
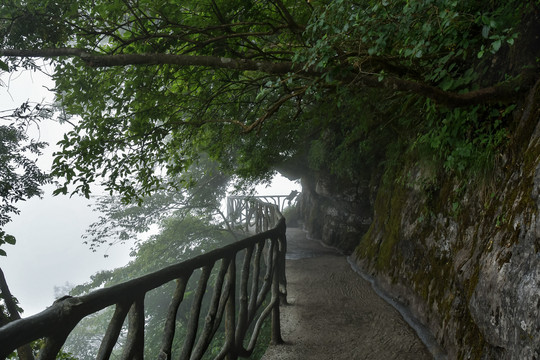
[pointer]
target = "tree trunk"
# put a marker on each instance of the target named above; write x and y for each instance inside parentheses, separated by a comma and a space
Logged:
(25, 351)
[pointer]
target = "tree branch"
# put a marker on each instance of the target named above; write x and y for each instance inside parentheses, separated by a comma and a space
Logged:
(275, 108)
(8, 298)
(288, 17)
(25, 351)
(503, 92)
(97, 60)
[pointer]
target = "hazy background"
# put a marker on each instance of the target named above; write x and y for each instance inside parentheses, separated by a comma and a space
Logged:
(49, 250)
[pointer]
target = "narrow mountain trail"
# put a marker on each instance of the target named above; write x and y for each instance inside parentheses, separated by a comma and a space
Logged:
(334, 314)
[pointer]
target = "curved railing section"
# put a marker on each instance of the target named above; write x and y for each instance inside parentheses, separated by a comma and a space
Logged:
(254, 214)
(239, 303)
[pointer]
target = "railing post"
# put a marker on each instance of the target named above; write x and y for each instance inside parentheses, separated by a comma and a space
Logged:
(276, 323)
(259, 218)
(193, 323)
(134, 348)
(113, 331)
(230, 212)
(282, 229)
(230, 313)
(264, 212)
(170, 323)
(247, 216)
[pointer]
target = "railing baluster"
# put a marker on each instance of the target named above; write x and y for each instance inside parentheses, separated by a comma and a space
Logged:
(193, 323)
(248, 210)
(258, 218)
(53, 344)
(113, 331)
(273, 306)
(222, 302)
(170, 323)
(267, 277)
(213, 316)
(264, 220)
(134, 347)
(230, 313)
(276, 325)
(255, 282)
(223, 305)
(55, 341)
(242, 321)
(282, 241)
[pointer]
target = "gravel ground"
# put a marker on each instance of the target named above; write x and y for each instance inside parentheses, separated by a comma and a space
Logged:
(334, 314)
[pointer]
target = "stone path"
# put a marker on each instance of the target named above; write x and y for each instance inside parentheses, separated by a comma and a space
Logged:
(334, 314)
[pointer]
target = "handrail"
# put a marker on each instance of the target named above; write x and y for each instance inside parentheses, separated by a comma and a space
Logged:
(56, 322)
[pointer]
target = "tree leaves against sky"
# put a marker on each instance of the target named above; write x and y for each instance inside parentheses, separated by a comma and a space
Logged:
(152, 85)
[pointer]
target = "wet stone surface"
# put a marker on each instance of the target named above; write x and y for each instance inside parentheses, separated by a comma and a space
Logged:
(300, 247)
(334, 314)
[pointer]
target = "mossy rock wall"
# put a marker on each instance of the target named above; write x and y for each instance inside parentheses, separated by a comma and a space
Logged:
(465, 256)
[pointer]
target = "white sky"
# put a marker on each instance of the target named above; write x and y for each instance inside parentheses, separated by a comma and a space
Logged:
(49, 250)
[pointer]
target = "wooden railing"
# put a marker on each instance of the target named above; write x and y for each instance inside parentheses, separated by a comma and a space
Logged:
(256, 213)
(241, 300)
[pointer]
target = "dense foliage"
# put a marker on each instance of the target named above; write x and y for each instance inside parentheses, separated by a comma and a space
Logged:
(304, 86)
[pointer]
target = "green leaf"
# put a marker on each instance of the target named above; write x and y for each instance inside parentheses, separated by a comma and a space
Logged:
(2, 253)
(10, 239)
(481, 52)
(4, 66)
(485, 31)
(496, 45)
(447, 83)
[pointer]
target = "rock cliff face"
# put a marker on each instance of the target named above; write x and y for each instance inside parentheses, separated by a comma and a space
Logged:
(464, 257)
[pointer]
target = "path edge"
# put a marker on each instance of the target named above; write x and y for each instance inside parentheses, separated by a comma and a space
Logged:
(423, 333)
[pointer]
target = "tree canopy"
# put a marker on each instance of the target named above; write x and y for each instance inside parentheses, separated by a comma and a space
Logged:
(151, 84)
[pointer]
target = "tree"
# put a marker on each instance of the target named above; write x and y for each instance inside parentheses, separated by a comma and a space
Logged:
(205, 188)
(156, 84)
(20, 177)
(10, 311)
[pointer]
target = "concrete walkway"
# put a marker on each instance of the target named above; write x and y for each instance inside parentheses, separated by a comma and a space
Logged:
(334, 314)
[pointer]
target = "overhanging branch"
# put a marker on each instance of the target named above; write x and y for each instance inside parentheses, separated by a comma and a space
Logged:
(24, 351)
(275, 107)
(504, 92)
(99, 60)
